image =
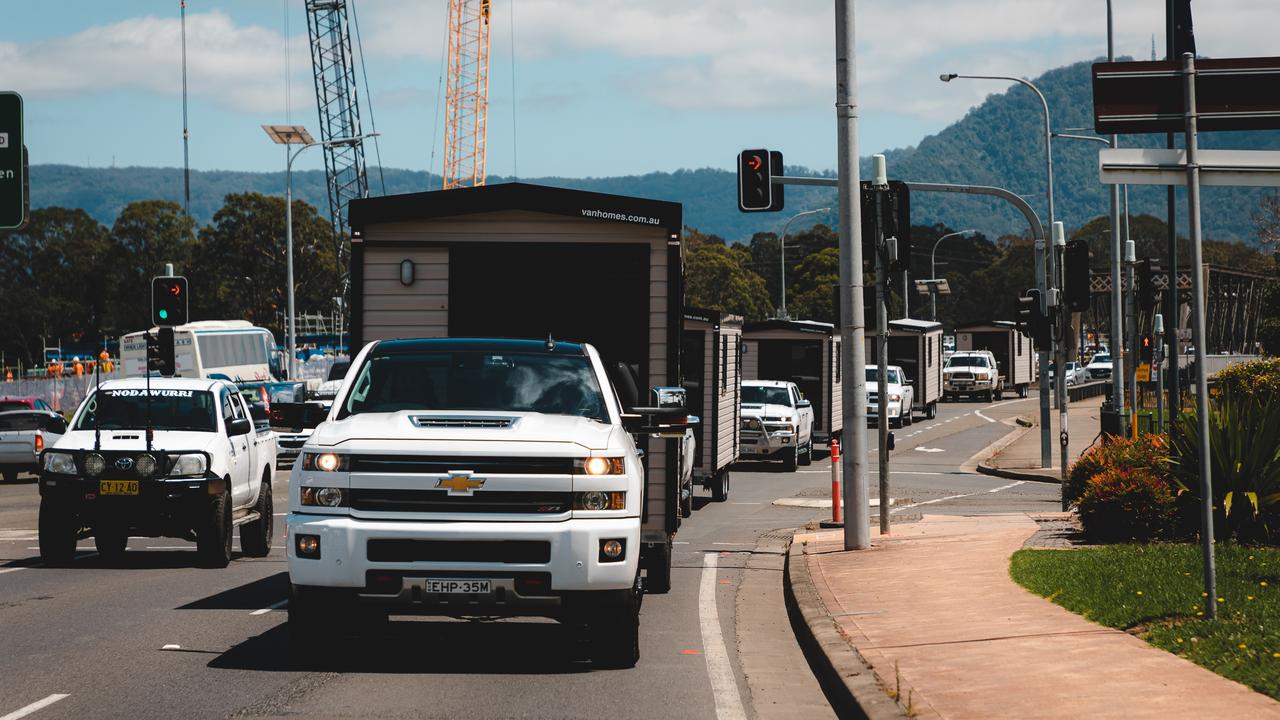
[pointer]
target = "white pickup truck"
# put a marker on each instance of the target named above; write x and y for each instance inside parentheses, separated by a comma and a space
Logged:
(205, 471)
(23, 436)
(777, 423)
(901, 395)
(473, 477)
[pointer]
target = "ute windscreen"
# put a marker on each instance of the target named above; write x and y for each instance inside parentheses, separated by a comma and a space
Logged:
(475, 380)
(170, 410)
(763, 395)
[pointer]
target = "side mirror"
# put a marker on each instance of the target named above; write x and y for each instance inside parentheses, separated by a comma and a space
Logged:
(239, 426)
(803, 404)
(670, 397)
(56, 424)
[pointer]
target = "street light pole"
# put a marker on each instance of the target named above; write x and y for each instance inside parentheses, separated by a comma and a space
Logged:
(1044, 281)
(782, 258)
(297, 135)
(933, 270)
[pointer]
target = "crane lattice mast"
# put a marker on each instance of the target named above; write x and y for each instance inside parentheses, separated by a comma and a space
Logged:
(467, 95)
(334, 69)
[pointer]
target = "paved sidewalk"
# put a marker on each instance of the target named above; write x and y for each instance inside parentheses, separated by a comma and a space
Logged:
(1020, 460)
(933, 610)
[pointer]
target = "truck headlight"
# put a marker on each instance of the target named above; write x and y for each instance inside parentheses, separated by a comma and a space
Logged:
(894, 397)
(324, 497)
(60, 463)
(325, 462)
(189, 465)
(599, 466)
(599, 500)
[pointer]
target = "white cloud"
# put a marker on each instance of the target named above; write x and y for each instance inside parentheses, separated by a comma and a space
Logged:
(242, 67)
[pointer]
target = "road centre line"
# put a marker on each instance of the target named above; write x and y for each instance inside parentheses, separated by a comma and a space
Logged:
(269, 608)
(37, 705)
(984, 417)
(957, 497)
(724, 685)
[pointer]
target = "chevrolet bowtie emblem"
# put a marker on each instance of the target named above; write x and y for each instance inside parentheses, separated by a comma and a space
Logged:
(460, 482)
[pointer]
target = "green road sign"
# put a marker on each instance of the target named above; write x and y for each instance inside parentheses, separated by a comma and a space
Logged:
(13, 186)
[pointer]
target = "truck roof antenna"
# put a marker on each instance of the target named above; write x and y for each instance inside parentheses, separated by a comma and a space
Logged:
(551, 342)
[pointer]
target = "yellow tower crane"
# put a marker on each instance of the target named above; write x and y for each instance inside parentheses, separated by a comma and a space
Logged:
(467, 95)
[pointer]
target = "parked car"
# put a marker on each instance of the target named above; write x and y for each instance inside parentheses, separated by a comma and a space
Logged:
(1099, 368)
(24, 434)
(901, 395)
(29, 402)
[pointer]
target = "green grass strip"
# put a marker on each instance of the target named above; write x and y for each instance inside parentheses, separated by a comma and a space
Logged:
(1157, 590)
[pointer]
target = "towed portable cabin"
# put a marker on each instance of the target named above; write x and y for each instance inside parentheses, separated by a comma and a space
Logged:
(709, 359)
(916, 347)
(1015, 356)
(806, 353)
(528, 261)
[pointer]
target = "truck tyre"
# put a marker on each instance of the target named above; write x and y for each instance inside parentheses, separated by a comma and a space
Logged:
(255, 536)
(1022, 391)
(213, 537)
(791, 459)
(10, 476)
(806, 457)
(615, 633)
(111, 543)
(57, 533)
(307, 609)
(720, 486)
(686, 500)
(931, 410)
(907, 417)
(657, 577)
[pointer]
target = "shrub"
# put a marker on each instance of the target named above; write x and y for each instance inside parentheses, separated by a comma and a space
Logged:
(1259, 378)
(1244, 464)
(1148, 452)
(1127, 504)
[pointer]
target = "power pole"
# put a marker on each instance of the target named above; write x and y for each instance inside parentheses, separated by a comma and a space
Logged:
(857, 502)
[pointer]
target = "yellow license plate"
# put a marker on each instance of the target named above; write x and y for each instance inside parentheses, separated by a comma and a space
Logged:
(117, 487)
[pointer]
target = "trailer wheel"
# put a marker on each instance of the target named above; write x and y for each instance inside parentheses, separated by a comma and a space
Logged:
(720, 487)
(1022, 391)
(657, 576)
(931, 410)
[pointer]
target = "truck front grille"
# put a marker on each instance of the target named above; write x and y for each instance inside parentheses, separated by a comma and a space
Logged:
(526, 552)
(481, 501)
(962, 376)
(441, 464)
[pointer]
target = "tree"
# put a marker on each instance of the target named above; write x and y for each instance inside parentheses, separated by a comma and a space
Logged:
(717, 277)
(813, 291)
(240, 262)
(146, 235)
(1267, 220)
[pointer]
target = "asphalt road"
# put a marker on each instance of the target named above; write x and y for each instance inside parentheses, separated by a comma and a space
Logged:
(160, 638)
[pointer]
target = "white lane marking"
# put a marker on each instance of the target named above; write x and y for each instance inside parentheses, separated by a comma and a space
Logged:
(269, 608)
(724, 686)
(984, 417)
(279, 514)
(745, 503)
(171, 646)
(825, 472)
(930, 427)
(924, 449)
(957, 497)
(679, 542)
(37, 705)
(17, 534)
(732, 543)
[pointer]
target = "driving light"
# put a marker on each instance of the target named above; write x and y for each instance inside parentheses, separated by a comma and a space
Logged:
(145, 464)
(600, 465)
(599, 500)
(187, 465)
(60, 463)
(308, 546)
(612, 550)
(94, 464)
(324, 497)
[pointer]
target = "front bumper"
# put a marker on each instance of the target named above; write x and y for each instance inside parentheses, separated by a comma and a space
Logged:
(873, 411)
(163, 507)
(962, 387)
(572, 565)
(760, 445)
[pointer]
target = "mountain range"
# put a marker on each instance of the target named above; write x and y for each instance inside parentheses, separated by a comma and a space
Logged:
(999, 142)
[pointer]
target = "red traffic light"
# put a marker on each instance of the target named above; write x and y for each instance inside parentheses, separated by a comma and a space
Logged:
(175, 290)
(755, 162)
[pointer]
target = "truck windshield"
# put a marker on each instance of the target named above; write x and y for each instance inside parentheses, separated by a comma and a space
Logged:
(967, 361)
(891, 374)
(477, 380)
(170, 410)
(762, 395)
(1101, 359)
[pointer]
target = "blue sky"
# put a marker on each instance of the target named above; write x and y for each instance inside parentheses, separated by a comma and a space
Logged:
(601, 87)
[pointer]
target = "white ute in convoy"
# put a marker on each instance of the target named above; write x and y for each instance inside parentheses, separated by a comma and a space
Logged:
(901, 395)
(473, 478)
(777, 423)
(206, 471)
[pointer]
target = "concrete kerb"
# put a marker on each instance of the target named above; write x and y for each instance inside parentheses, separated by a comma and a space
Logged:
(846, 677)
(1018, 474)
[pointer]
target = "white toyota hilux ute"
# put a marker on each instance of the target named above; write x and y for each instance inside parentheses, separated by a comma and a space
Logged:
(471, 478)
(777, 423)
(205, 471)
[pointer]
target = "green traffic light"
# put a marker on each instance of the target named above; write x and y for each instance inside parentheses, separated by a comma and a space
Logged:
(164, 314)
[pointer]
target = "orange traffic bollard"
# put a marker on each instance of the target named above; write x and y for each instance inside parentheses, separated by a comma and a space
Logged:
(835, 480)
